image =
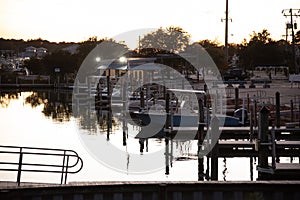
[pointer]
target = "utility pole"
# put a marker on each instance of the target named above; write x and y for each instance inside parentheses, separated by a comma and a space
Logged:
(226, 32)
(292, 13)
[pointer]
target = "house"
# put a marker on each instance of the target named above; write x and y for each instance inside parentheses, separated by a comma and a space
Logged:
(33, 51)
(30, 51)
(41, 52)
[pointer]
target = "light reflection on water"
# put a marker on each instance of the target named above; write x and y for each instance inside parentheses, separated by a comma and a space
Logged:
(45, 119)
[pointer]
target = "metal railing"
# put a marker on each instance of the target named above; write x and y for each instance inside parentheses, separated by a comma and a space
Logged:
(31, 159)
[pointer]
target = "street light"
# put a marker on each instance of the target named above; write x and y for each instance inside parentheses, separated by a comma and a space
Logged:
(122, 59)
(98, 59)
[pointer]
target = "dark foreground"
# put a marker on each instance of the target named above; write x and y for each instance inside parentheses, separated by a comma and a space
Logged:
(154, 190)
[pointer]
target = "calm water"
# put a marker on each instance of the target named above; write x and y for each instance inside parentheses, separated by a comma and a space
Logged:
(45, 119)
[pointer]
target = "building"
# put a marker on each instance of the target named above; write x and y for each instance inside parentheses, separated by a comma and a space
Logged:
(35, 52)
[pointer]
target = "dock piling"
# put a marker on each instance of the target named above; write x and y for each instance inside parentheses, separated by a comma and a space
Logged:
(277, 95)
(263, 129)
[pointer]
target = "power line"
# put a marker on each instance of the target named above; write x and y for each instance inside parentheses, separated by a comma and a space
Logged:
(226, 32)
(292, 13)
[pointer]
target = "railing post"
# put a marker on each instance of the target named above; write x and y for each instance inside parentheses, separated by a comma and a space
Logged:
(20, 167)
(63, 169)
(66, 172)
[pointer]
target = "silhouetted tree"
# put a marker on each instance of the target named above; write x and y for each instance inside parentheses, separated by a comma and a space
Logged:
(262, 50)
(215, 50)
(172, 39)
(36, 66)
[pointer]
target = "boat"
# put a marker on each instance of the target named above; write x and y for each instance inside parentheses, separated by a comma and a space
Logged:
(184, 120)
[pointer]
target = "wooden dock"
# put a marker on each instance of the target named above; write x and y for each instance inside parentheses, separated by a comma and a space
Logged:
(237, 133)
(193, 190)
(248, 148)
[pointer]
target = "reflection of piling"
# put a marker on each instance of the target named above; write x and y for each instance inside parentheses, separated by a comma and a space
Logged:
(124, 110)
(168, 120)
(167, 156)
(263, 129)
(200, 135)
(277, 96)
(214, 152)
(142, 145)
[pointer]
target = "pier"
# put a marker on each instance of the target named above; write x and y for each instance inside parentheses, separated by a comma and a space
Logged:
(215, 190)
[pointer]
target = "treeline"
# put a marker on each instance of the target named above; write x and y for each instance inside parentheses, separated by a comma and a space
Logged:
(261, 49)
(18, 46)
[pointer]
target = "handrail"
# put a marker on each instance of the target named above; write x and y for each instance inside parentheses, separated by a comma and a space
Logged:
(71, 162)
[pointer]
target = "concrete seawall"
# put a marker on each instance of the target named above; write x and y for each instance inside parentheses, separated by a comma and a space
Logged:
(155, 191)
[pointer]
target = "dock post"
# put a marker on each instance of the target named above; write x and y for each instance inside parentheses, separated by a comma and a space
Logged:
(142, 99)
(292, 110)
(200, 135)
(263, 128)
(205, 96)
(236, 98)
(215, 150)
(255, 112)
(108, 88)
(277, 96)
(251, 123)
(248, 102)
(273, 147)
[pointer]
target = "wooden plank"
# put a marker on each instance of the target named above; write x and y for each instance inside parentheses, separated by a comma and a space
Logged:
(288, 166)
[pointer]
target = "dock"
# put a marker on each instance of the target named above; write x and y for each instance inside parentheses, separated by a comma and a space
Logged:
(192, 190)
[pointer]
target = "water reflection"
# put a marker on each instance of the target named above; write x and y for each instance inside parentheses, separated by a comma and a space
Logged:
(57, 105)
(6, 97)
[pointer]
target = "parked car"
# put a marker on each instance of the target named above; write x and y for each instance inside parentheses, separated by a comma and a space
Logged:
(234, 74)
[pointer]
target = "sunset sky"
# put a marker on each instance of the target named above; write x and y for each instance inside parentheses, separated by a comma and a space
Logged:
(77, 20)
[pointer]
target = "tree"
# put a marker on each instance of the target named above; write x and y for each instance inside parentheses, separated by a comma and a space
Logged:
(215, 50)
(172, 39)
(60, 59)
(36, 66)
(262, 50)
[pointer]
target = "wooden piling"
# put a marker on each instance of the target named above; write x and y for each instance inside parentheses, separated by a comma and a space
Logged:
(263, 129)
(205, 96)
(142, 99)
(255, 113)
(236, 98)
(277, 99)
(292, 110)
